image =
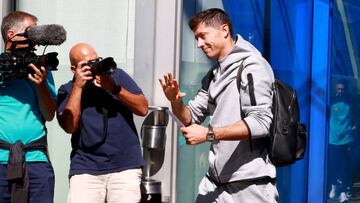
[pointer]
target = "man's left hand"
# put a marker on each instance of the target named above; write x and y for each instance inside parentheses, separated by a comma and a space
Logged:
(39, 75)
(194, 134)
(104, 82)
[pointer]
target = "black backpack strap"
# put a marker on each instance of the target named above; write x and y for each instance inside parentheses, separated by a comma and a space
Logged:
(206, 80)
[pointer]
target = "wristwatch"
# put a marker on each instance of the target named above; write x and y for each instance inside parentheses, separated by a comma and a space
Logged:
(210, 134)
(116, 90)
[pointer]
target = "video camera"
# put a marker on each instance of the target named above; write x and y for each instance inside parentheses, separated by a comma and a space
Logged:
(14, 64)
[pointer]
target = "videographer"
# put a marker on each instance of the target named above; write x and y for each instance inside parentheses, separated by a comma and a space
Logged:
(25, 105)
(97, 108)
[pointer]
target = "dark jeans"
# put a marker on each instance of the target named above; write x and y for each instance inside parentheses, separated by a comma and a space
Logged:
(41, 179)
(339, 165)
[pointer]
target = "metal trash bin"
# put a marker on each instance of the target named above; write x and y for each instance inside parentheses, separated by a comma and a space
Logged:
(153, 136)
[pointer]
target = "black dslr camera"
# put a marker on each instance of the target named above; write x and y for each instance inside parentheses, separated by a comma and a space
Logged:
(99, 66)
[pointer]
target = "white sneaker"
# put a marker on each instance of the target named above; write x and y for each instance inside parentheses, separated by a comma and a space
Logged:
(348, 194)
(343, 197)
(332, 192)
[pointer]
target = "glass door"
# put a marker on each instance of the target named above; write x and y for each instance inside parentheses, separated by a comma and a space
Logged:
(343, 177)
(281, 30)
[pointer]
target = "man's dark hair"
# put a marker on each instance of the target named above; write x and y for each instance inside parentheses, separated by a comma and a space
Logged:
(342, 81)
(14, 20)
(213, 17)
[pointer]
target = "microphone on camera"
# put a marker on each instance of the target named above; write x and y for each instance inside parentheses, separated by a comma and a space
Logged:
(51, 34)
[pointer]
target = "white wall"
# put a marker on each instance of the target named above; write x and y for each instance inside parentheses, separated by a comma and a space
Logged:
(106, 24)
(6, 6)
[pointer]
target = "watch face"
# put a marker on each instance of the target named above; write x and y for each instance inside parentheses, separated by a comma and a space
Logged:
(210, 136)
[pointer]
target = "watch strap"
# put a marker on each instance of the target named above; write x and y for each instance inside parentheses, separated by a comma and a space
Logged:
(116, 90)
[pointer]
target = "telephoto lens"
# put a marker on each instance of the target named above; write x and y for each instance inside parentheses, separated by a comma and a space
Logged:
(106, 66)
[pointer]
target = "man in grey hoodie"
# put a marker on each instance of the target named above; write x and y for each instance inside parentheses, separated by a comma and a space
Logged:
(239, 166)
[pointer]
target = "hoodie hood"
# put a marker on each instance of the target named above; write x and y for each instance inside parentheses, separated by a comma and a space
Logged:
(241, 50)
(227, 68)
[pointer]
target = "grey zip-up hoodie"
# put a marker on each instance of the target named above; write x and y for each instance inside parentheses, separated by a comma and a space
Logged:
(233, 160)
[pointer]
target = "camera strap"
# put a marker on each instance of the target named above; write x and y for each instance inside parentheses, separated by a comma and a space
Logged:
(105, 122)
(94, 141)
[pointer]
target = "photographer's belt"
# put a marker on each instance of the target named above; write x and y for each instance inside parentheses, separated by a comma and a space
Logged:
(17, 174)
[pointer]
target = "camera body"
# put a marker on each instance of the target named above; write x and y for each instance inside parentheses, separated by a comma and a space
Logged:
(15, 64)
(99, 66)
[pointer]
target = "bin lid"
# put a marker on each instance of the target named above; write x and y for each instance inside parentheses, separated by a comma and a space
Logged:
(157, 116)
(158, 108)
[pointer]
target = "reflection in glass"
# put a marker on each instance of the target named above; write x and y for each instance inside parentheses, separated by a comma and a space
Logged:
(343, 179)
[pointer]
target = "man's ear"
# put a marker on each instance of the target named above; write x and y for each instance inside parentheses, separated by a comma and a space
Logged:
(10, 34)
(73, 69)
(225, 29)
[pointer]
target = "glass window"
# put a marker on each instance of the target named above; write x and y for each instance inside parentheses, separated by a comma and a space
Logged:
(343, 166)
(192, 160)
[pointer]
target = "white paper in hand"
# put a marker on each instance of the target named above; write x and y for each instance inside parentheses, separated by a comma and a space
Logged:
(177, 121)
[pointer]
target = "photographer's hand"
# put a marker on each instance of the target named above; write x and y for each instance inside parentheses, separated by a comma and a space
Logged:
(69, 118)
(104, 82)
(82, 74)
(39, 75)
